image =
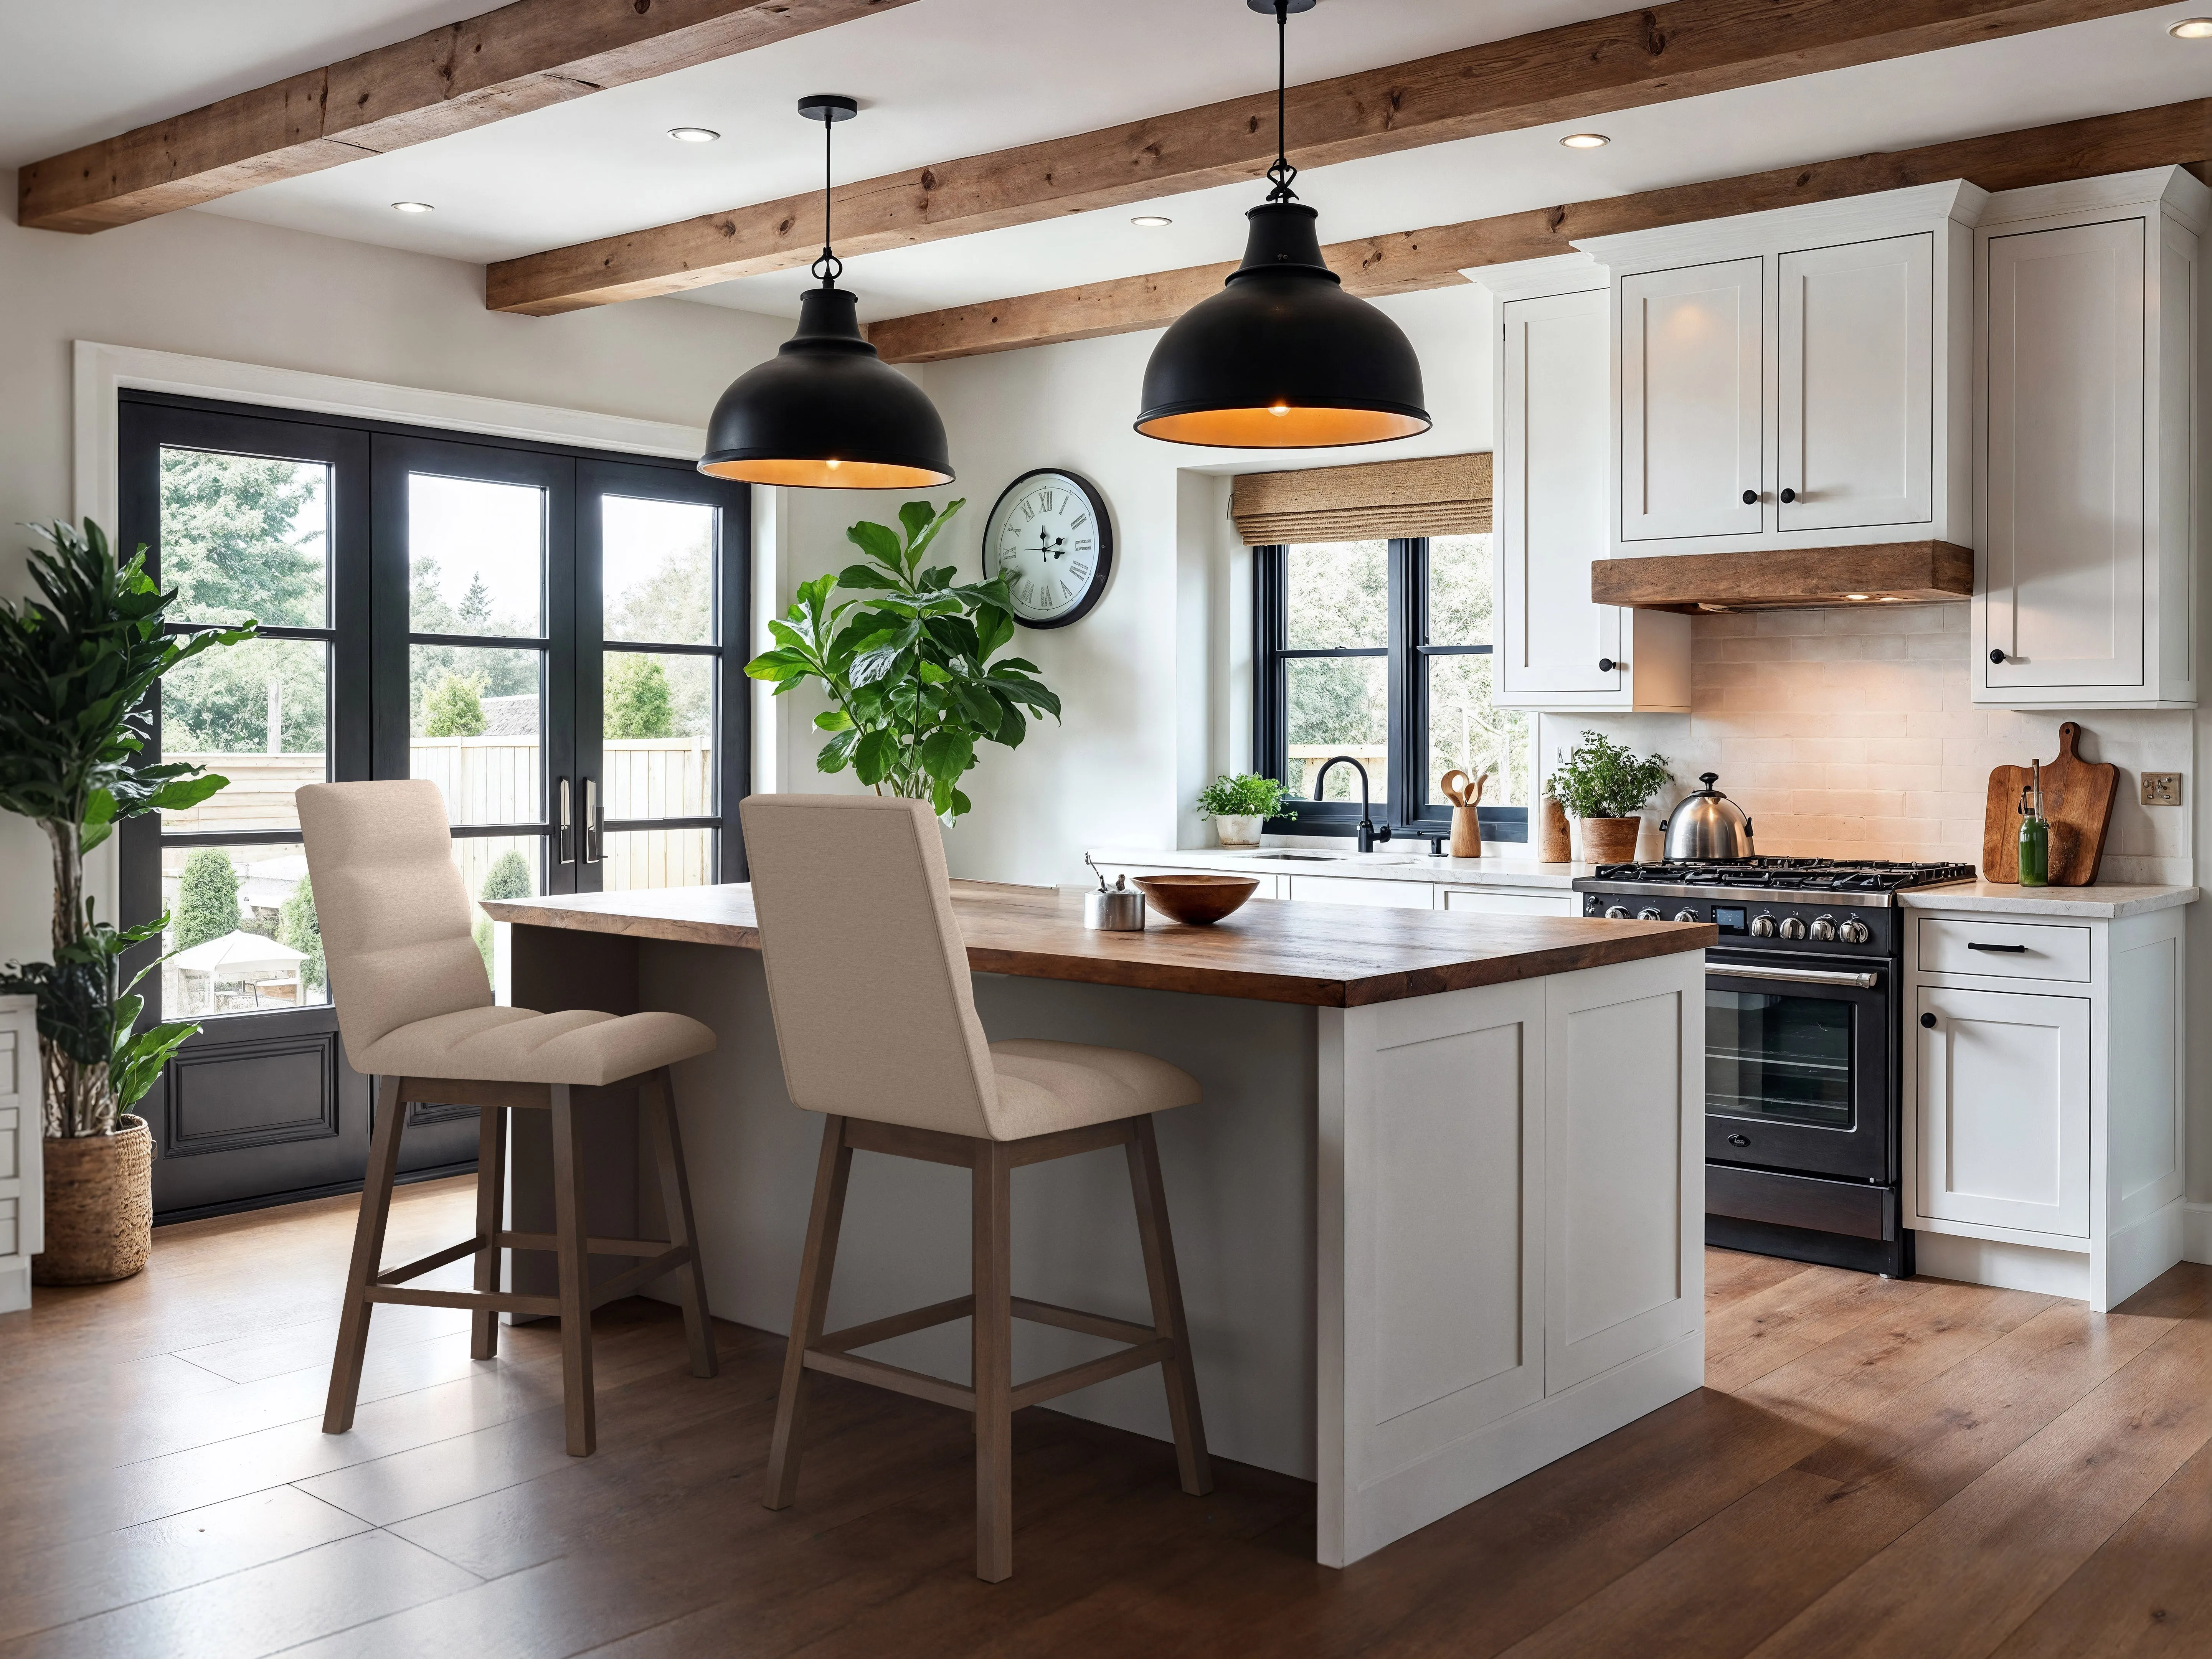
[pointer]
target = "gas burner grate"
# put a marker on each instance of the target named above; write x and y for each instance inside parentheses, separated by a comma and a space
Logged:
(1785, 874)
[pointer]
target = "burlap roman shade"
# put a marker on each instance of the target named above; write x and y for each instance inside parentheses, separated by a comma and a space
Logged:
(1442, 496)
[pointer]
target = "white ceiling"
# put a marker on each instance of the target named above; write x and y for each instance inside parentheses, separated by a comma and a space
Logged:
(939, 79)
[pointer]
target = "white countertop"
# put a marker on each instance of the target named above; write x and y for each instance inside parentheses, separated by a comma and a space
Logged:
(2099, 904)
(1388, 864)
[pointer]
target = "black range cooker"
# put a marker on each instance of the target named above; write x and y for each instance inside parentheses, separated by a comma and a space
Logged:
(1803, 1116)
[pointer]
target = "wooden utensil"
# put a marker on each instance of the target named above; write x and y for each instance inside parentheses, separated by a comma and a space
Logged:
(1467, 826)
(2077, 802)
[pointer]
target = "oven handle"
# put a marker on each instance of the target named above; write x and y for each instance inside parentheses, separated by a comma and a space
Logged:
(1795, 976)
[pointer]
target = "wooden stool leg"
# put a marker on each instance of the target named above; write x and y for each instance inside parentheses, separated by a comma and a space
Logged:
(368, 1256)
(991, 1211)
(491, 1190)
(676, 1201)
(575, 1265)
(1192, 1465)
(808, 1311)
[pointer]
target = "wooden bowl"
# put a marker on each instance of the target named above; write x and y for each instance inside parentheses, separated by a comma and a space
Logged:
(1196, 900)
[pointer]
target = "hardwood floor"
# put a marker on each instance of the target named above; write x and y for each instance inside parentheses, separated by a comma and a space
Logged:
(1883, 1468)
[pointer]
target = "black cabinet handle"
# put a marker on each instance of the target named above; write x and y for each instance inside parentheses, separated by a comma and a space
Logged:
(1999, 949)
(1996, 656)
(1751, 498)
(1928, 1020)
(1789, 494)
(1606, 665)
(1739, 1140)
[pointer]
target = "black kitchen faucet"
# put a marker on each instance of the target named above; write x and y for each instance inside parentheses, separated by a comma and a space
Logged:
(1369, 834)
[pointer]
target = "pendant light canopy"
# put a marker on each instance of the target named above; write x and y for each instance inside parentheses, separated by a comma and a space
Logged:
(1283, 358)
(826, 412)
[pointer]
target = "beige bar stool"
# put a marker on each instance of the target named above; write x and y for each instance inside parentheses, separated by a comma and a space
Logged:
(875, 1016)
(415, 1006)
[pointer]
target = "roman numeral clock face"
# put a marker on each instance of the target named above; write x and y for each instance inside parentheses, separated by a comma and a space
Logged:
(1050, 538)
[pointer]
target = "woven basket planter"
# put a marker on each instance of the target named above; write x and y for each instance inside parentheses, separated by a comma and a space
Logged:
(100, 1207)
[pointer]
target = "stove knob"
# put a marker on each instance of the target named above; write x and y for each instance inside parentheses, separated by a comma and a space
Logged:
(1854, 933)
(1823, 930)
(1648, 913)
(1616, 913)
(1762, 926)
(1793, 928)
(1686, 915)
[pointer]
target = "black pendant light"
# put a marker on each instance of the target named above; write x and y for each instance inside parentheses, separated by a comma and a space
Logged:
(1282, 358)
(825, 412)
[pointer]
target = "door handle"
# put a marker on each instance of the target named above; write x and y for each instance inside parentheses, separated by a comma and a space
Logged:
(591, 820)
(1792, 975)
(564, 826)
(1998, 949)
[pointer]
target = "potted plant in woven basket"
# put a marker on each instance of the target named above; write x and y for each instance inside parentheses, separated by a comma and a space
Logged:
(1605, 784)
(74, 668)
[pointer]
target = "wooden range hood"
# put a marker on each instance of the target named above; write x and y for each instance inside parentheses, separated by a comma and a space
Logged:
(1911, 573)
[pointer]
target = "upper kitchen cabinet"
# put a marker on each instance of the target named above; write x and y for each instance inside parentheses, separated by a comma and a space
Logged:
(2086, 416)
(1555, 648)
(1794, 378)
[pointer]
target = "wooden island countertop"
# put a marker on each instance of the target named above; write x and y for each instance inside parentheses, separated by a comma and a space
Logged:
(1329, 956)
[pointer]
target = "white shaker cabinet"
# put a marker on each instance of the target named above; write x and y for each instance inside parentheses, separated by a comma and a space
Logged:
(1692, 374)
(2086, 346)
(2005, 1108)
(1550, 386)
(21, 1227)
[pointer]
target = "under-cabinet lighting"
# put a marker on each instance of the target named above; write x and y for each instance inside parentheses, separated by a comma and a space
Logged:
(693, 135)
(1889, 598)
(1858, 596)
(2192, 29)
(1585, 141)
(1151, 221)
(412, 207)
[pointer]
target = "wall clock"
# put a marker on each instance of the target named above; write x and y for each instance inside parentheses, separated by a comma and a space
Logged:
(1050, 536)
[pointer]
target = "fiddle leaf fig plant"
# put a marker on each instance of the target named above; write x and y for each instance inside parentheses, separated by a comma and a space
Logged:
(913, 667)
(75, 666)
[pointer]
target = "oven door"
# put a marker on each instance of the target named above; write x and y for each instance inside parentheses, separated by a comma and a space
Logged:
(1798, 1064)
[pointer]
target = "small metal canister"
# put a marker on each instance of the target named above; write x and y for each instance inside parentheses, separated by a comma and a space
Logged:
(1117, 909)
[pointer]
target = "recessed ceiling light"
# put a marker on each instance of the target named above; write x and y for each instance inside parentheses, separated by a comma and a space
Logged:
(412, 207)
(1151, 221)
(693, 135)
(1585, 141)
(2192, 29)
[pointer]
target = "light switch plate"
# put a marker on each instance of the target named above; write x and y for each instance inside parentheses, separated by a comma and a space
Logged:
(2161, 789)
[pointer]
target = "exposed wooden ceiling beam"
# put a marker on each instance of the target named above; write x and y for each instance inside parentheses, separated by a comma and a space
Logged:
(1416, 259)
(1668, 51)
(520, 57)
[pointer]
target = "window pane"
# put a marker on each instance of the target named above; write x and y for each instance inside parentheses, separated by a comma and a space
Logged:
(1338, 594)
(499, 867)
(243, 930)
(244, 537)
(1339, 706)
(257, 713)
(476, 731)
(658, 717)
(1459, 590)
(658, 858)
(476, 556)
(1466, 734)
(658, 570)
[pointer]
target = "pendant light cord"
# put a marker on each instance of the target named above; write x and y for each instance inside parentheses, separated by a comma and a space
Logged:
(1282, 172)
(829, 267)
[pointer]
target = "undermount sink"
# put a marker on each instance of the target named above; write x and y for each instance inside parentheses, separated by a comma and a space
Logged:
(1323, 858)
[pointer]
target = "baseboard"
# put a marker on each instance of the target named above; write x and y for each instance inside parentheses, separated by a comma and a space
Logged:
(14, 1285)
(2005, 1265)
(2196, 1232)
(303, 1195)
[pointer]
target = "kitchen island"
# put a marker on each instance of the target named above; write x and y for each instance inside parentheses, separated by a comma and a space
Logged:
(1440, 1217)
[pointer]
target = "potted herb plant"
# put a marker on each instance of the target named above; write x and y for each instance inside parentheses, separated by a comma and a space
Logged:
(910, 666)
(1241, 805)
(1605, 784)
(74, 670)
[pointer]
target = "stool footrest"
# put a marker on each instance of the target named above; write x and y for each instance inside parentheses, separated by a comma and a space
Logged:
(421, 1264)
(883, 1330)
(897, 1378)
(1057, 1383)
(1075, 1319)
(630, 1279)
(512, 1241)
(474, 1301)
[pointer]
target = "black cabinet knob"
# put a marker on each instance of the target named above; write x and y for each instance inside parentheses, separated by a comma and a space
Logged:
(1996, 656)
(1751, 498)
(1789, 494)
(1928, 1020)
(1739, 1140)
(1606, 665)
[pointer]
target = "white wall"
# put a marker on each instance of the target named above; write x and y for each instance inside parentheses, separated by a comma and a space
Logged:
(215, 286)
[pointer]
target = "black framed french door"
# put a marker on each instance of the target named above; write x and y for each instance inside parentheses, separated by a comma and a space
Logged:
(551, 635)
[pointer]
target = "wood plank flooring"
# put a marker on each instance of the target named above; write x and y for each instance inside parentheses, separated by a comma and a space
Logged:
(1875, 1468)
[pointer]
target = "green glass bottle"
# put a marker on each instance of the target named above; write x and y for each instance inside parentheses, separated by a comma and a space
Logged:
(2034, 836)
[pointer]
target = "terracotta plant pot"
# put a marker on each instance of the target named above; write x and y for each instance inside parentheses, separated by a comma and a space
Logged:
(100, 1207)
(1610, 840)
(1238, 831)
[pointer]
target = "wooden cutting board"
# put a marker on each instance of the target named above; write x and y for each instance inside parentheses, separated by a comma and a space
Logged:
(2077, 800)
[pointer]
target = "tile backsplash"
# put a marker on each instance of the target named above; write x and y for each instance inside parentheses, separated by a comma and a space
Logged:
(1849, 733)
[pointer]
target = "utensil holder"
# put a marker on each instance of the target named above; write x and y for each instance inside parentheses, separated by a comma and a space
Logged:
(1116, 910)
(1554, 844)
(1467, 833)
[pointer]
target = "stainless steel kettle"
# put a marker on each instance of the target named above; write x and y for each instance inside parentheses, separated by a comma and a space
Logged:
(1708, 825)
